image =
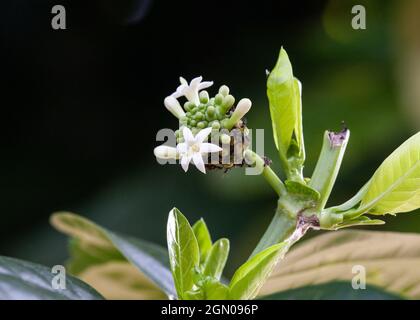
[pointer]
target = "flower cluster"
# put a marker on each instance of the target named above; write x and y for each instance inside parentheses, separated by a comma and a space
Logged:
(200, 116)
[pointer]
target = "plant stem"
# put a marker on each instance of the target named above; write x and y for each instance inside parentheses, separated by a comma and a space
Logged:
(269, 175)
(328, 165)
(274, 181)
(280, 229)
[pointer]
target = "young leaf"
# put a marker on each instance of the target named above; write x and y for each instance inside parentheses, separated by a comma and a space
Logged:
(22, 280)
(203, 237)
(283, 93)
(184, 253)
(210, 289)
(216, 260)
(214, 290)
(250, 277)
(149, 258)
(390, 259)
(395, 186)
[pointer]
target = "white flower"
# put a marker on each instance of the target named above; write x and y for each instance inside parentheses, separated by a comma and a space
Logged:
(244, 105)
(241, 109)
(165, 152)
(190, 91)
(174, 107)
(194, 148)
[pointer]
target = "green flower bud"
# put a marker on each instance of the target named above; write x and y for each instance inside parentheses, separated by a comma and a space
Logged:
(211, 113)
(218, 99)
(224, 122)
(184, 120)
(204, 96)
(202, 124)
(227, 103)
(194, 110)
(224, 90)
(198, 116)
(193, 123)
(215, 125)
(188, 106)
(188, 114)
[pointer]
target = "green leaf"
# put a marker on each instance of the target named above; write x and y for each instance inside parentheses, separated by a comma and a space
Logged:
(284, 97)
(203, 237)
(250, 277)
(216, 260)
(391, 261)
(302, 191)
(337, 290)
(214, 290)
(22, 280)
(210, 289)
(149, 258)
(395, 186)
(359, 221)
(94, 245)
(184, 253)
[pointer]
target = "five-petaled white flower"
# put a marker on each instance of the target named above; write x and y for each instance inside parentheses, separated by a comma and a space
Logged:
(190, 91)
(194, 148)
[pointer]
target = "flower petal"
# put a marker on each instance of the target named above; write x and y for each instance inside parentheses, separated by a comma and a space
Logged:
(198, 162)
(185, 162)
(188, 136)
(205, 84)
(182, 148)
(202, 135)
(174, 107)
(209, 148)
(196, 81)
(183, 81)
(165, 152)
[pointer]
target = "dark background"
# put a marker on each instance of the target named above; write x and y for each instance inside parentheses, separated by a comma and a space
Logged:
(81, 108)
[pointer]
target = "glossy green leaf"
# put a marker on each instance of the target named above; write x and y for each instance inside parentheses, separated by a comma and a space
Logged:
(395, 186)
(22, 280)
(216, 260)
(94, 245)
(210, 289)
(250, 277)
(184, 253)
(391, 261)
(203, 237)
(338, 290)
(283, 92)
(359, 221)
(214, 290)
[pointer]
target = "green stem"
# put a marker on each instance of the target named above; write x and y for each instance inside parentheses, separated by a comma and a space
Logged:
(280, 229)
(273, 180)
(269, 175)
(328, 165)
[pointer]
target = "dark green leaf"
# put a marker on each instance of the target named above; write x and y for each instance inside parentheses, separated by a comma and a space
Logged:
(333, 291)
(22, 280)
(96, 244)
